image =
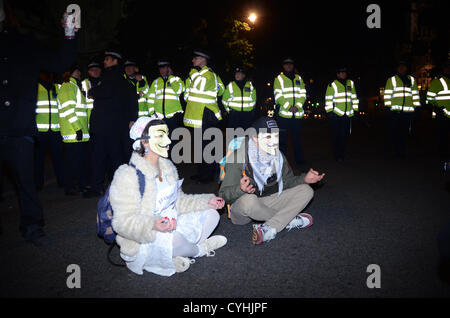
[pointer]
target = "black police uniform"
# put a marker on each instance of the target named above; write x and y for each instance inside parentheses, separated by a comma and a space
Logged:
(115, 105)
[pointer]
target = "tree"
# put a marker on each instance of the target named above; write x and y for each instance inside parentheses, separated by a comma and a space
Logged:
(239, 49)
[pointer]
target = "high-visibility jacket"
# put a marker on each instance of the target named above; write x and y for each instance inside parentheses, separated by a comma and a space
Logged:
(47, 116)
(164, 96)
(289, 93)
(86, 85)
(439, 94)
(399, 97)
(240, 100)
(202, 89)
(142, 90)
(72, 112)
(341, 99)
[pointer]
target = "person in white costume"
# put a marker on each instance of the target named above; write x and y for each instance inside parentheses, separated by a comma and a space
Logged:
(162, 230)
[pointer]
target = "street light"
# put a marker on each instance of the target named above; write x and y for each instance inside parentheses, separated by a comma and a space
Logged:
(252, 17)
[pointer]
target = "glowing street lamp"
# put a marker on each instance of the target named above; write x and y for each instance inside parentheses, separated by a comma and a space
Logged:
(252, 17)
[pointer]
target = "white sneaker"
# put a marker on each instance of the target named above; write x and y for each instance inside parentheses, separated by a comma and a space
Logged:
(301, 221)
(182, 264)
(262, 233)
(213, 243)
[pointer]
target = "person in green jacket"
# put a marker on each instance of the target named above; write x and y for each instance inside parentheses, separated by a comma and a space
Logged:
(202, 111)
(140, 82)
(164, 95)
(48, 136)
(94, 71)
(401, 97)
(239, 100)
(341, 104)
(73, 115)
(290, 95)
(439, 96)
(260, 185)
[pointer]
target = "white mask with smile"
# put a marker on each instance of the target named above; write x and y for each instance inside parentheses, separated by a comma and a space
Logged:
(268, 142)
(159, 140)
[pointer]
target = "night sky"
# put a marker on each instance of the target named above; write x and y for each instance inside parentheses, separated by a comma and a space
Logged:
(319, 35)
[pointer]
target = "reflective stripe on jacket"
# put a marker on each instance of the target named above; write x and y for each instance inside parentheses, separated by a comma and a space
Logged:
(399, 97)
(73, 114)
(341, 99)
(239, 100)
(289, 93)
(439, 94)
(47, 116)
(86, 86)
(164, 96)
(142, 91)
(202, 89)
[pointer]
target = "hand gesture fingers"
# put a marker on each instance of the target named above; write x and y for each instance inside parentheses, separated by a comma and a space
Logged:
(162, 225)
(173, 223)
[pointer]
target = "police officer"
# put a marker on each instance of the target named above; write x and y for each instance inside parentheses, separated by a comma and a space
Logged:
(439, 96)
(290, 95)
(48, 136)
(73, 114)
(341, 103)
(164, 95)
(115, 109)
(18, 83)
(239, 100)
(401, 97)
(203, 87)
(94, 71)
(140, 83)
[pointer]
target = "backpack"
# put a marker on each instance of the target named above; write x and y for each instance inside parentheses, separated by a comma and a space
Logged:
(105, 212)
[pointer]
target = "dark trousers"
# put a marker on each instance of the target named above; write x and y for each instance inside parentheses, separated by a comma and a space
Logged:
(18, 153)
(106, 156)
(340, 130)
(173, 123)
(52, 141)
(399, 125)
(240, 119)
(76, 164)
(443, 134)
(208, 170)
(294, 126)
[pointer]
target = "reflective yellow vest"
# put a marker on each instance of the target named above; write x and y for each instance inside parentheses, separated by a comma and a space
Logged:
(142, 91)
(72, 112)
(202, 89)
(398, 97)
(289, 93)
(439, 95)
(47, 116)
(164, 96)
(237, 99)
(341, 99)
(86, 86)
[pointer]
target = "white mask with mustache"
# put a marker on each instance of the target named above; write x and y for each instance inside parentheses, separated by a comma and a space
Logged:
(159, 140)
(268, 142)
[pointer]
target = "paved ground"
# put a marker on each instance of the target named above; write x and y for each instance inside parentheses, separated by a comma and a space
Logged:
(372, 209)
